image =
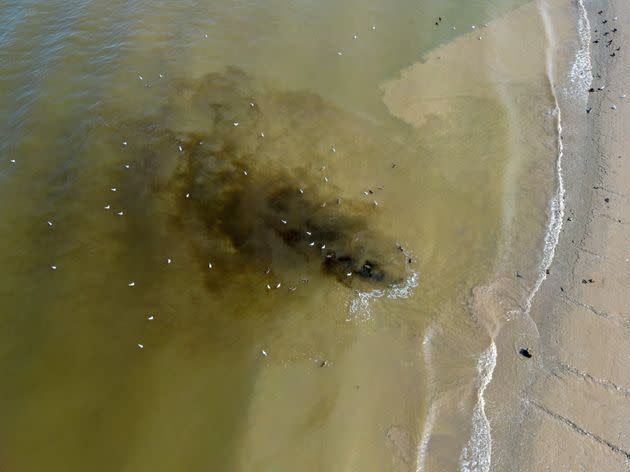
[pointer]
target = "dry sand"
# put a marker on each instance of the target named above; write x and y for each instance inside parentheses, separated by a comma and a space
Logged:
(568, 407)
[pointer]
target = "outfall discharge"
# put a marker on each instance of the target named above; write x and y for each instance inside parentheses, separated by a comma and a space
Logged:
(217, 159)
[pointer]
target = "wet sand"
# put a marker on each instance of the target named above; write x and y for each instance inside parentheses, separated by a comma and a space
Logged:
(567, 407)
(559, 395)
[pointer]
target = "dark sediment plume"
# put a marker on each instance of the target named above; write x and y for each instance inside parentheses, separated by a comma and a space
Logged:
(236, 169)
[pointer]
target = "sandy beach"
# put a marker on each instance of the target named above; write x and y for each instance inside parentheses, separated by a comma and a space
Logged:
(570, 401)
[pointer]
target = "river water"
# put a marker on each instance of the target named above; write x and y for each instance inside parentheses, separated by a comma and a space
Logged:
(273, 236)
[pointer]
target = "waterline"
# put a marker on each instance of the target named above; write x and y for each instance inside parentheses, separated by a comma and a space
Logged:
(477, 454)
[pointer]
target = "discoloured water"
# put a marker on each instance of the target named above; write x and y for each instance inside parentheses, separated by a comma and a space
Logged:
(215, 158)
(222, 253)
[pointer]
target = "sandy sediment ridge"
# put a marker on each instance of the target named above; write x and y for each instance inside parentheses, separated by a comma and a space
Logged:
(568, 406)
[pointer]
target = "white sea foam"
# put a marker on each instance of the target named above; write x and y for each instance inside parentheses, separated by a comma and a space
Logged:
(581, 73)
(359, 306)
(427, 430)
(476, 455)
(556, 219)
(429, 421)
(556, 205)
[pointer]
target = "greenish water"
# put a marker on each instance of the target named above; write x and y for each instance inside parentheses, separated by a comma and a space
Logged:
(196, 191)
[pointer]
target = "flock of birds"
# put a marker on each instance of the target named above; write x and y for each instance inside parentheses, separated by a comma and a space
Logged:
(606, 38)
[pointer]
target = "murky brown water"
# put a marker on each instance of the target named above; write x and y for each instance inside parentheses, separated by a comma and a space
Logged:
(222, 250)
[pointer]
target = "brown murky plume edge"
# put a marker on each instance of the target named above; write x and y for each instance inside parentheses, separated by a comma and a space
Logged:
(240, 172)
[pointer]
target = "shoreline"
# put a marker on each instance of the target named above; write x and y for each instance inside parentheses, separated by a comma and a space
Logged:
(503, 305)
(565, 405)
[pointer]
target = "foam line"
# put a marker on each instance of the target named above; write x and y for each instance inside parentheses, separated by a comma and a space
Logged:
(581, 73)
(556, 205)
(429, 421)
(476, 456)
(359, 306)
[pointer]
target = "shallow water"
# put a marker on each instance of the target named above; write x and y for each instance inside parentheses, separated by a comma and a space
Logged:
(236, 238)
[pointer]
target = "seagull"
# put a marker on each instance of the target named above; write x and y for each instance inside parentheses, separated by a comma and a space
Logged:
(113, 189)
(107, 207)
(140, 77)
(53, 267)
(141, 346)
(12, 161)
(131, 284)
(236, 123)
(50, 223)
(120, 213)
(264, 353)
(124, 143)
(209, 265)
(150, 318)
